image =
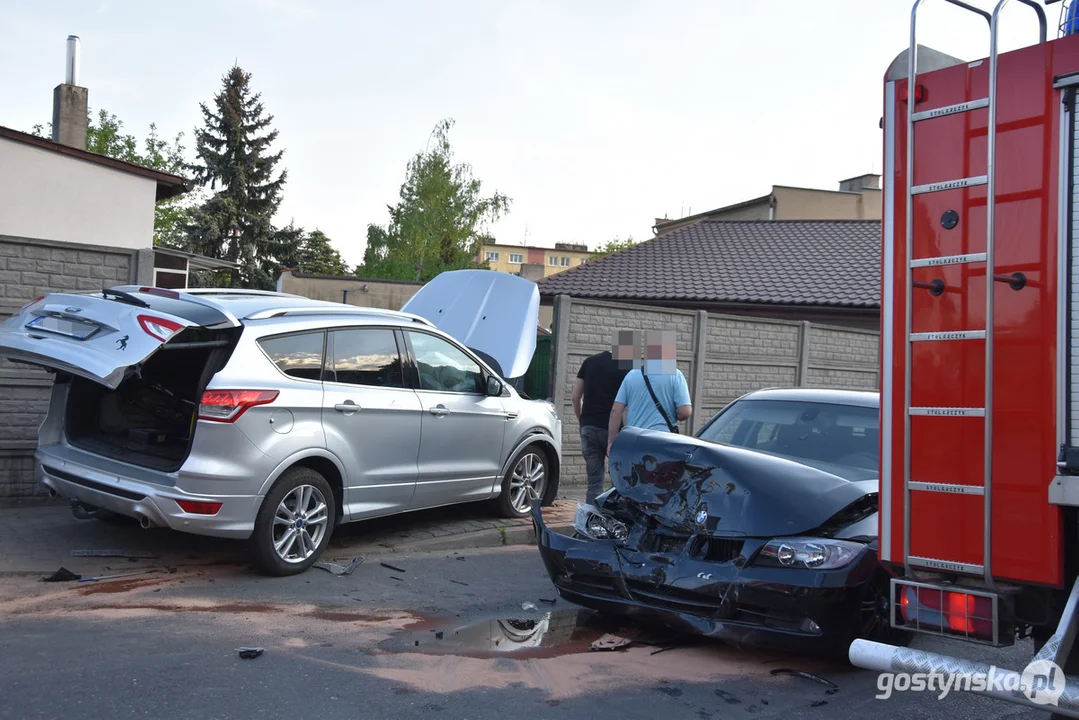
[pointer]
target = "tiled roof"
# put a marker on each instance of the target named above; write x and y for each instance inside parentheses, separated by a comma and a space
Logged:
(784, 262)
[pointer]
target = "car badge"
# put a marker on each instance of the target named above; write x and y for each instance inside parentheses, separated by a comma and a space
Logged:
(702, 516)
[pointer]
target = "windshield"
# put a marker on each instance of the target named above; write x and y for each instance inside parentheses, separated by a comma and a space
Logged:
(841, 439)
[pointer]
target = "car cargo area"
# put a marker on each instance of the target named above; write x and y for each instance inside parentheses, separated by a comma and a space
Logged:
(149, 420)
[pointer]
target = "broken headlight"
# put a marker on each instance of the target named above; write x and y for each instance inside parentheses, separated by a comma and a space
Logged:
(594, 523)
(812, 553)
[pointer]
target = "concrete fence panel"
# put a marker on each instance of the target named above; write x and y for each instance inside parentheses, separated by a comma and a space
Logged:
(722, 356)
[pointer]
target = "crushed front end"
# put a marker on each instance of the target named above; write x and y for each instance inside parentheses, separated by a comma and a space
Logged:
(656, 547)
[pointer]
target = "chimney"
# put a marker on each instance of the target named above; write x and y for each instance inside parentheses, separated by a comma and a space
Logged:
(69, 103)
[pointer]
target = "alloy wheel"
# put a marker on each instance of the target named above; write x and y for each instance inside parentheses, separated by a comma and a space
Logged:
(300, 524)
(529, 472)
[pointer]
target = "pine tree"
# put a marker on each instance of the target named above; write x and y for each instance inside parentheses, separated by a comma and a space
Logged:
(236, 163)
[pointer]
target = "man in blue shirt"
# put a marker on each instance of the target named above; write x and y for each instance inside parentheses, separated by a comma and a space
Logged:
(635, 406)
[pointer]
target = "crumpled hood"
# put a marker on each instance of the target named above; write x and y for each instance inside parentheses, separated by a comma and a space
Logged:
(697, 486)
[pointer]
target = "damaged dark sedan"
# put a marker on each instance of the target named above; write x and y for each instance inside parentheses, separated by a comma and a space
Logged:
(759, 531)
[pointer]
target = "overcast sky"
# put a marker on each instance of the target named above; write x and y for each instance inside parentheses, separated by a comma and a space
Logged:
(594, 117)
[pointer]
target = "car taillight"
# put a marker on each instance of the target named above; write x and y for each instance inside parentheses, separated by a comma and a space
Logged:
(951, 611)
(159, 328)
(192, 507)
(228, 405)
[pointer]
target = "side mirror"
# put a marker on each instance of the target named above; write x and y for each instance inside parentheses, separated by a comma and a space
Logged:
(494, 386)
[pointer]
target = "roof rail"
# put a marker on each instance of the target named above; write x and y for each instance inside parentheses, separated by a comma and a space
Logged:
(235, 291)
(329, 309)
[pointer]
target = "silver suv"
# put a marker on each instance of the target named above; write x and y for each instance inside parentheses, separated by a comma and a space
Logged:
(275, 418)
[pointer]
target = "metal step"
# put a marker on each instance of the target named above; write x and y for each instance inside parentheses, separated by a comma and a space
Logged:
(951, 109)
(948, 260)
(950, 185)
(947, 488)
(957, 335)
(947, 412)
(947, 565)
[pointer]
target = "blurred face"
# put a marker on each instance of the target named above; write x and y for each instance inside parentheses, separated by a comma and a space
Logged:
(660, 353)
(625, 349)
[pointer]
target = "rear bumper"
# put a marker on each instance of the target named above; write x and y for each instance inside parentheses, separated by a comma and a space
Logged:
(795, 610)
(81, 476)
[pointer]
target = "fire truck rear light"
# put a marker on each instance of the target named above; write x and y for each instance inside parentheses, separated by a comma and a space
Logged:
(228, 405)
(920, 94)
(945, 611)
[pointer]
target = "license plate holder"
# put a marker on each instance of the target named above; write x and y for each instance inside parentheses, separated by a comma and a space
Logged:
(67, 327)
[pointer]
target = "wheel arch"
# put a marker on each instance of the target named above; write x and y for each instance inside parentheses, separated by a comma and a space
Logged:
(539, 436)
(322, 462)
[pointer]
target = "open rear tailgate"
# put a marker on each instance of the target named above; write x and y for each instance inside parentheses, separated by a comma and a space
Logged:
(98, 336)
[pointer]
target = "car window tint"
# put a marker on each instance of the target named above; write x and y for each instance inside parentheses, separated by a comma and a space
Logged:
(366, 356)
(832, 433)
(298, 356)
(443, 367)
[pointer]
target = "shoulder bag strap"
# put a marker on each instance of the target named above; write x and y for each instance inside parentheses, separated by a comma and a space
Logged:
(671, 426)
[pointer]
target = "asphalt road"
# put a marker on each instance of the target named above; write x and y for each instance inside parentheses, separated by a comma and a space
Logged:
(414, 641)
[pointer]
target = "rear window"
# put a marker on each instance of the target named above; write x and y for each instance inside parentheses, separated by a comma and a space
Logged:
(298, 356)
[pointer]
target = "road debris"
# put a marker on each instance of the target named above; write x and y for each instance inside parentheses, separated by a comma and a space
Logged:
(394, 577)
(114, 577)
(61, 575)
(391, 567)
(528, 606)
(549, 602)
(250, 653)
(339, 570)
(114, 553)
(833, 688)
(459, 582)
(611, 642)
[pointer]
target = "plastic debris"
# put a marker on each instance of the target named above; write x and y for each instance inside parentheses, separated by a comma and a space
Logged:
(549, 602)
(250, 653)
(394, 577)
(528, 606)
(61, 575)
(391, 567)
(114, 577)
(611, 642)
(459, 582)
(336, 569)
(113, 553)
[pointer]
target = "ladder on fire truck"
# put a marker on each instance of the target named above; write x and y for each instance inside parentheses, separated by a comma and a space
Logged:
(936, 288)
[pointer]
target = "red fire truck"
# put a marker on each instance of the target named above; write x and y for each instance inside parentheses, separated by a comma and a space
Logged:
(979, 483)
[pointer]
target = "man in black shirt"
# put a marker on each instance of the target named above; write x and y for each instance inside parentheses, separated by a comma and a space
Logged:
(594, 391)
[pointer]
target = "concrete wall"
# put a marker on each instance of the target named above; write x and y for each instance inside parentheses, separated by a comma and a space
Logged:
(722, 357)
(46, 194)
(28, 270)
(385, 294)
(809, 204)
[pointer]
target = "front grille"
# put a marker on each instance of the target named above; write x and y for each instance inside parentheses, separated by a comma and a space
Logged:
(718, 549)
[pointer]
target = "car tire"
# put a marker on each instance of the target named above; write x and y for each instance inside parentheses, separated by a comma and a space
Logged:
(875, 592)
(531, 467)
(295, 497)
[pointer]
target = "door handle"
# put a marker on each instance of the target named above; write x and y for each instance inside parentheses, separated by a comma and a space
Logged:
(439, 410)
(348, 407)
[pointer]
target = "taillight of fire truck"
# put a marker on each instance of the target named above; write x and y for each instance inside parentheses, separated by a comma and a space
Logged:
(949, 612)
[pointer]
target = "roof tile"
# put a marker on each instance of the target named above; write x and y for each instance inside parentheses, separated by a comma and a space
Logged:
(784, 262)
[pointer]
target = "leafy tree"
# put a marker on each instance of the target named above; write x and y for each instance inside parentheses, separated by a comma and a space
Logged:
(106, 136)
(439, 221)
(612, 246)
(235, 162)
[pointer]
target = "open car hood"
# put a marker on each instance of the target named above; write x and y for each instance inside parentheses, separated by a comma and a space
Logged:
(494, 313)
(698, 486)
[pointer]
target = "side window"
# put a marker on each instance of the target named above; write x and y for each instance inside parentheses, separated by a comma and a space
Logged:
(298, 356)
(365, 356)
(443, 367)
